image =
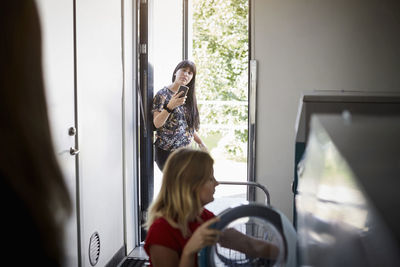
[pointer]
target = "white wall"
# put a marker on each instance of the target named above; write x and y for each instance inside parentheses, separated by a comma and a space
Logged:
(302, 45)
(99, 82)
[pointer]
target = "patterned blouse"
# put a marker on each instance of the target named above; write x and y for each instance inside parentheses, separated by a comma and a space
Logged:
(175, 132)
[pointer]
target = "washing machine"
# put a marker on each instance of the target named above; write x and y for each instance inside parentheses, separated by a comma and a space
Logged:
(258, 221)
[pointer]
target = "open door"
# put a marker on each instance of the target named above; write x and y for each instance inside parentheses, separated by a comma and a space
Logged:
(145, 98)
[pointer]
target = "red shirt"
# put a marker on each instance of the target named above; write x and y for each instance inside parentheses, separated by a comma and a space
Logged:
(162, 233)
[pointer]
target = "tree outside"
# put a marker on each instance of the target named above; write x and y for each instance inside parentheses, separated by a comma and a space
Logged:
(219, 45)
(220, 50)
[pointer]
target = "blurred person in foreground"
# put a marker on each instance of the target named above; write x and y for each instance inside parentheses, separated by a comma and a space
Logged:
(34, 199)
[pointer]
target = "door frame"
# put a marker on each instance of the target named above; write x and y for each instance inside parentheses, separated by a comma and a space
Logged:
(145, 96)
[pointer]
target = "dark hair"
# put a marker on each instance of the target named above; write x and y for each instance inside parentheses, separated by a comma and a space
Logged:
(29, 165)
(193, 118)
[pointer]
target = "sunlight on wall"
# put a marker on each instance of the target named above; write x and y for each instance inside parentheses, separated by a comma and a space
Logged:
(165, 40)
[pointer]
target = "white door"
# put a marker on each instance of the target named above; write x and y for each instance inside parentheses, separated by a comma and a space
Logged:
(83, 77)
(58, 65)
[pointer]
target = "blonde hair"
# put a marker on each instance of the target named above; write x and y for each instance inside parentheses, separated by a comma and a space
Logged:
(178, 201)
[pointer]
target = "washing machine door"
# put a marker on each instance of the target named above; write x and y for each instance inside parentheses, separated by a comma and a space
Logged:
(254, 220)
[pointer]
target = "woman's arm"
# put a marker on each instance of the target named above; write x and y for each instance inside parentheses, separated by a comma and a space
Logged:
(159, 118)
(253, 247)
(198, 140)
(203, 236)
(162, 256)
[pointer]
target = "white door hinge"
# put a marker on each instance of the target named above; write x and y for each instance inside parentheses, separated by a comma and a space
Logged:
(143, 49)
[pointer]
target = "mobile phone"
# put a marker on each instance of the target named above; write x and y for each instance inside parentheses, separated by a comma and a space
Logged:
(183, 88)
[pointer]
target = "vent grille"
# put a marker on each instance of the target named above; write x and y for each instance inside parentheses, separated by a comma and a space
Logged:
(94, 249)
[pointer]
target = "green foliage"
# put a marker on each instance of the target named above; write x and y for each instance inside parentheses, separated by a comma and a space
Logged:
(212, 139)
(220, 50)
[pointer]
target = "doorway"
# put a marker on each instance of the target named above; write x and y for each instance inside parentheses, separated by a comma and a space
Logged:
(215, 35)
(219, 45)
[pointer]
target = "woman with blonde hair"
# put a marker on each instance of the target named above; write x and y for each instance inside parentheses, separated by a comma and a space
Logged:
(178, 223)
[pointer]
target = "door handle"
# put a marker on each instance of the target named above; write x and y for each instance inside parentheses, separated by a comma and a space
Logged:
(73, 151)
(72, 131)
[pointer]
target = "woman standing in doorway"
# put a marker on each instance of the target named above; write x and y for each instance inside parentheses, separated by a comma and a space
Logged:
(175, 117)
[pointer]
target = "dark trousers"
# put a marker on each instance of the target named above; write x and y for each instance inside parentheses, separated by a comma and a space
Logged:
(161, 157)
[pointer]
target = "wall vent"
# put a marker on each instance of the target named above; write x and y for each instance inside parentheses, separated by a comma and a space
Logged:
(94, 249)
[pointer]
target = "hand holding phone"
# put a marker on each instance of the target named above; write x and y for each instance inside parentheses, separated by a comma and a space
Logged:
(183, 88)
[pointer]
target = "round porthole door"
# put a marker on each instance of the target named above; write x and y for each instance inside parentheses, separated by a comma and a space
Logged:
(253, 220)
